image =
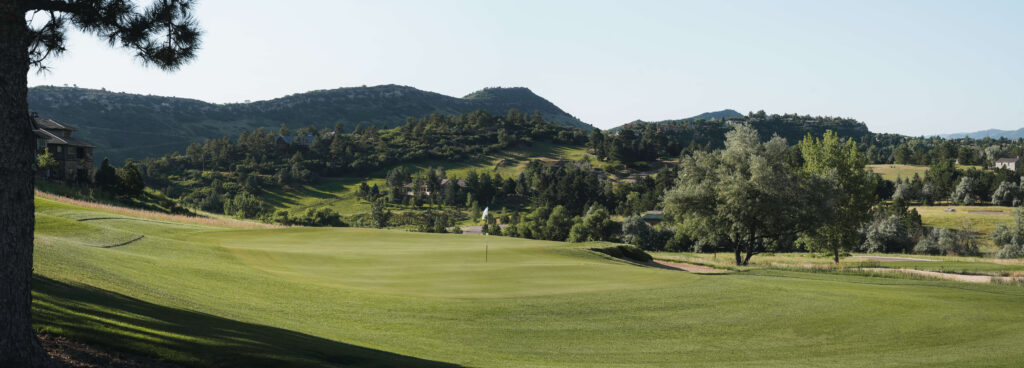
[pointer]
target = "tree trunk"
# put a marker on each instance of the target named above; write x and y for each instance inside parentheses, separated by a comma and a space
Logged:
(835, 254)
(18, 344)
(739, 255)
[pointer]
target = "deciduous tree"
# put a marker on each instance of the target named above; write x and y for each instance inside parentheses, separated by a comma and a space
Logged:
(46, 161)
(745, 198)
(843, 167)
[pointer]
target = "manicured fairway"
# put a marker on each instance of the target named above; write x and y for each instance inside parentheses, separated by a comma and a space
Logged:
(335, 297)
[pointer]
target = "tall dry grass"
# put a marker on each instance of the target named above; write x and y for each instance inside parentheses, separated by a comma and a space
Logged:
(208, 221)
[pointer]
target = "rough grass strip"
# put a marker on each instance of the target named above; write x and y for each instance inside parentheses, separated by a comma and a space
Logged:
(208, 221)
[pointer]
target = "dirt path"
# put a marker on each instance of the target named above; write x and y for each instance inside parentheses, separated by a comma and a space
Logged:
(680, 266)
(894, 259)
(942, 275)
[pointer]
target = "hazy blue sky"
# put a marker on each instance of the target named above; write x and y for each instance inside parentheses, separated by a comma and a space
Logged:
(916, 68)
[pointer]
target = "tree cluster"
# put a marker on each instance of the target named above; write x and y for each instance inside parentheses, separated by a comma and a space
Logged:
(748, 197)
(126, 181)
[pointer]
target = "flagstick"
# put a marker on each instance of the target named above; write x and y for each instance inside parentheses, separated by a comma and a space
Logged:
(484, 228)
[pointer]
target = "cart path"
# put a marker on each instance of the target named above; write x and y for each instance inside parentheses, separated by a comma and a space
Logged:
(894, 259)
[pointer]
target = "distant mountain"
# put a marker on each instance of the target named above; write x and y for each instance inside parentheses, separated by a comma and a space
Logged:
(125, 125)
(714, 115)
(990, 133)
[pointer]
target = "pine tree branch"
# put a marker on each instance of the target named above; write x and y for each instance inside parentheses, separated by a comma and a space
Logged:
(51, 5)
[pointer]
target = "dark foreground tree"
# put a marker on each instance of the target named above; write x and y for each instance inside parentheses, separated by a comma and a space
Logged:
(106, 177)
(163, 34)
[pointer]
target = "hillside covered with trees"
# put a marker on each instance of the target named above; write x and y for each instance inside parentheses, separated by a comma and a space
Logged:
(137, 126)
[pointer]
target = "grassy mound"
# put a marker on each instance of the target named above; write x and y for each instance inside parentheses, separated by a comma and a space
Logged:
(627, 252)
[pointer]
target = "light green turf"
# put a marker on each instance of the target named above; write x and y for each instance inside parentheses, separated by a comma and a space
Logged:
(894, 171)
(333, 297)
(982, 219)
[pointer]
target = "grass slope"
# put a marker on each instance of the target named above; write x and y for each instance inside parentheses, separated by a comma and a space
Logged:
(216, 296)
(982, 219)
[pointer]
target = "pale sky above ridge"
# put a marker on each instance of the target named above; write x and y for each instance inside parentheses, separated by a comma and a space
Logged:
(910, 67)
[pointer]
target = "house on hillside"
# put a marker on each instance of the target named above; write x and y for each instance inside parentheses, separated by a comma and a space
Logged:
(653, 217)
(286, 143)
(73, 155)
(1009, 163)
(461, 182)
(411, 190)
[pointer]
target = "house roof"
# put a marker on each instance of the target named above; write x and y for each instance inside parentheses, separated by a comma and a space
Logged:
(461, 182)
(69, 141)
(304, 140)
(1007, 160)
(654, 215)
(51, 125)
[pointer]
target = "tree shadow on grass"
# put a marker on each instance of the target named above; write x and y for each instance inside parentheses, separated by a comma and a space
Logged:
(101, 317)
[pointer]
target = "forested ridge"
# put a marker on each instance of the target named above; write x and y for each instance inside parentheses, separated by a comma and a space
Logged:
(137, 126)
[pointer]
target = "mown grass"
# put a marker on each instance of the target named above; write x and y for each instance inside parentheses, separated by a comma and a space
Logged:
(982, 219)
(216, 296)
(895, 171)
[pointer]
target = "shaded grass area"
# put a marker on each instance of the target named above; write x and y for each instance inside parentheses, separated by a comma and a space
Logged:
(331, 297)
(98, 316)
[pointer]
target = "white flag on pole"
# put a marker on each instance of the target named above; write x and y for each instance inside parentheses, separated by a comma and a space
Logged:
(484, 216)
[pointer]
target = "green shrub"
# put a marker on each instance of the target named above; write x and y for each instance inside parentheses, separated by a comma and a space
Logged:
(322, 216)
(244, 205)
(595, 225)
(941, 241)
(887, 234)
(637, 232)
(680, 242)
